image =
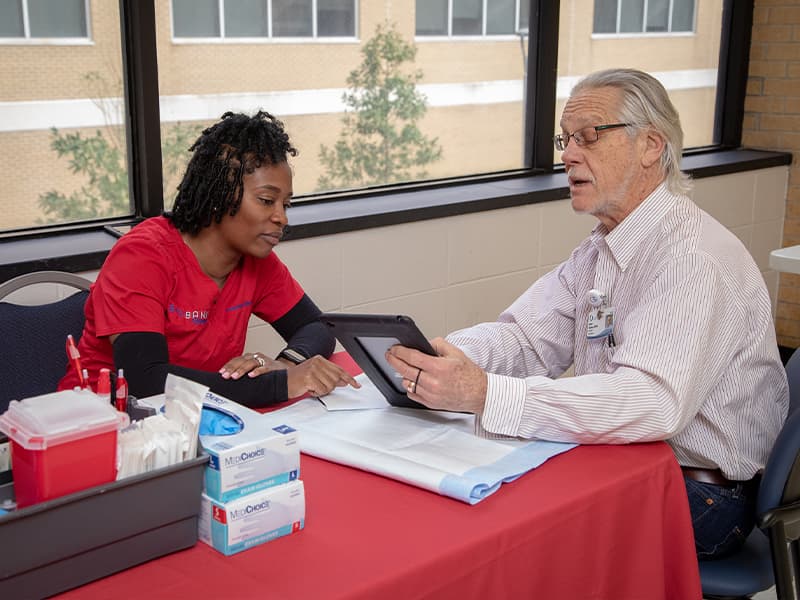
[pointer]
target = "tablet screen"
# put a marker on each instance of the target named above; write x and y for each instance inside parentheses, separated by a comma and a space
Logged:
(375, 348)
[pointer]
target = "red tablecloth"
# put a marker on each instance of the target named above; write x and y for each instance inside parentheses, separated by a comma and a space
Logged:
(595, 523)
(598, 522)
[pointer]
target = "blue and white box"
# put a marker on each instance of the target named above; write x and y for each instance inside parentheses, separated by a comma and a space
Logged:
(255, 457)
(231, 527)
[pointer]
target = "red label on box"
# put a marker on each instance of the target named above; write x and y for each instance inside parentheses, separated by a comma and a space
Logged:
(220, 515)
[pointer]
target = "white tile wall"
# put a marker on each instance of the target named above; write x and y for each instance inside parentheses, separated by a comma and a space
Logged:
(730, 199)
(489, 243)
(561, 230)
(388, 262)
(770, 194)
(484, 299)
(317, 264)
(452, 272)
(752, 205)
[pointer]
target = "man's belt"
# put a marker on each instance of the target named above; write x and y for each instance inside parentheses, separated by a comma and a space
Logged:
(712, 476)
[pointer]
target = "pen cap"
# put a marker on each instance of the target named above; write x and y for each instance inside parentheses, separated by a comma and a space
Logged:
(104, 383)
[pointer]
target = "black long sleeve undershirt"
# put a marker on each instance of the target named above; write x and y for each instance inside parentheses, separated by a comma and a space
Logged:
(145, 358)
(303, 331)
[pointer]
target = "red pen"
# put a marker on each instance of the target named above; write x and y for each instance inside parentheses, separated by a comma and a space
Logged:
(75, 359)
(122, 392)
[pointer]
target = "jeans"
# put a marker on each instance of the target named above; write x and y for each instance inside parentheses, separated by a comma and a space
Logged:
(722, 516)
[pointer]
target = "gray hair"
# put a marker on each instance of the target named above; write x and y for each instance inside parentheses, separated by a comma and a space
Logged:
(645, 103)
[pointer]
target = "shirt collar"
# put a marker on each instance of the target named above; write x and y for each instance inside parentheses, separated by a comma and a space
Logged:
(626, 238)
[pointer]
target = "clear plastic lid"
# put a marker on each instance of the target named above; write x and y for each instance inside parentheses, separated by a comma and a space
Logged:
(41, 421)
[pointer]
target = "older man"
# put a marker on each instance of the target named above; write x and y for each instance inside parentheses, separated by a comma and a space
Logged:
(662, 311)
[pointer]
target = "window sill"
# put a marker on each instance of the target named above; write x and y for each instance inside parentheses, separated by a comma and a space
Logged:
(86, 249)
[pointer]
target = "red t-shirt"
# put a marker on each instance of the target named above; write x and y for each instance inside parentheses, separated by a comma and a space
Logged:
(152, 282)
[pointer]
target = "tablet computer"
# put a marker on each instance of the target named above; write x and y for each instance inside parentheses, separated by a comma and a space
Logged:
(367, 337)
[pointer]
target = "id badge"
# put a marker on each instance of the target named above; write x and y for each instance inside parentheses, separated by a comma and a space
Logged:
(601, 322)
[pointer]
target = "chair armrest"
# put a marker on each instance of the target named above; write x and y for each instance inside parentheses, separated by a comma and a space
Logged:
(788, 516)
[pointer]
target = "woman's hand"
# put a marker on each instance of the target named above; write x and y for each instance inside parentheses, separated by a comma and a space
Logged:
(252, 363)
(317, 376)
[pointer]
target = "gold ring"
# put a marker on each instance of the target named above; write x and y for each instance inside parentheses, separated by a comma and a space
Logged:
(259, 360)
(412, 387)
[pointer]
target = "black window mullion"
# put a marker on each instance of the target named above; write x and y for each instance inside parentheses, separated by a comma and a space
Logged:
(734, 58)
(540, 87)
(143, 122)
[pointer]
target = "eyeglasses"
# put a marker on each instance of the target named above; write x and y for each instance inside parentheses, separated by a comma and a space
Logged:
(583, 137)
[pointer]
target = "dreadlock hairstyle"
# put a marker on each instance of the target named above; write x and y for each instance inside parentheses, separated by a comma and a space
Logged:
(234, 146)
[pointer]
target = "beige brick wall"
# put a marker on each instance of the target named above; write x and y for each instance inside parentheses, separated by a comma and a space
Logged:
(772, 121)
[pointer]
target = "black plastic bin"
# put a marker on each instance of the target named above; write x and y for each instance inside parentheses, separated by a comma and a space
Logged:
(62, 543)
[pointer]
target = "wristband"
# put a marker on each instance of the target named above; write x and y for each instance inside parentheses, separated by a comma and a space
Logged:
(292, 356)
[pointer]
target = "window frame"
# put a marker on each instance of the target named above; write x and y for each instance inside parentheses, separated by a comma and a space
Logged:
(222, 38)
(83, 246)
(28, 40)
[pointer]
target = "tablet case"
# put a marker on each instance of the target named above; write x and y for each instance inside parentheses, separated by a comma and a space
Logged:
(366, 337)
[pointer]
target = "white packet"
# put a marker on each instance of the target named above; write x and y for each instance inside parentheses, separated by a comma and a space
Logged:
(165, 438)
(130, 452)
(183, 404)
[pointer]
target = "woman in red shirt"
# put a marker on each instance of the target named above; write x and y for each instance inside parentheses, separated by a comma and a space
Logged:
(176, 293)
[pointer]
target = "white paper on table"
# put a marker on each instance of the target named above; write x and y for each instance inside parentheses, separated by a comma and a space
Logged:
(434, 450)
(350, 398)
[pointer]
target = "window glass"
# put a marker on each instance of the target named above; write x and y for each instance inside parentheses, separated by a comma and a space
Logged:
(195, 18)
(431, 17)
(64, 18)
(467, 17)
(61, 109)
(449, 107)
(336, 18)
(11, 19)
(246, 18)
(292, 18)
(423, 117)
(501, 17)
(686, 65)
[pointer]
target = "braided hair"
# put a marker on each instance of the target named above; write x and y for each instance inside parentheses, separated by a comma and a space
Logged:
(234, 146)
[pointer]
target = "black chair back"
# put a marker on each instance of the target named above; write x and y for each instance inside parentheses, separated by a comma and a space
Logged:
(34, 356)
